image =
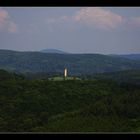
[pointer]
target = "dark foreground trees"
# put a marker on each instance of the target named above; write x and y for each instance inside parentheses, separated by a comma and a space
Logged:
(62, 106)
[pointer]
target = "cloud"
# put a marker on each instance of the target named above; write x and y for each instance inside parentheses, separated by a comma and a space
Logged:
(6, 24)
(98, 17)
(3, 17)
(93, 17)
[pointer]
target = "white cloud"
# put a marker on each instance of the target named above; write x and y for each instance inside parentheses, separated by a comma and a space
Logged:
(98, 17)
(93, 17)
(6, 24)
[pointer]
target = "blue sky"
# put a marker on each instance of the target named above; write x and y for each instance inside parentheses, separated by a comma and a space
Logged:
(103, 30)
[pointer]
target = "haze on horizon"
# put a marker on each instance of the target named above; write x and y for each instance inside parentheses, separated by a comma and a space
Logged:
(105, 30)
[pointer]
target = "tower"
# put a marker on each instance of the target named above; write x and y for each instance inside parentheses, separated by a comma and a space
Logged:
(65, 72)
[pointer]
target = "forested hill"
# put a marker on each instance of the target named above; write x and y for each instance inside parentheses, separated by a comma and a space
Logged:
(129, 56)
(54, 51)
(127, 76)
(76, 63)
(67, 106)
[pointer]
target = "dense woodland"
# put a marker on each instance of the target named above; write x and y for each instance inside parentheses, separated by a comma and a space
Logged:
(87, 105)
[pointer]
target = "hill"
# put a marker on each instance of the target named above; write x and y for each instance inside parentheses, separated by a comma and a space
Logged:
(77, 64)
(129, 56)
(67, 106)
(53, 51)
(127, 76)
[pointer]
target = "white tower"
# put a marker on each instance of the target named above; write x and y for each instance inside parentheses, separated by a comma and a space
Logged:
(65, 72)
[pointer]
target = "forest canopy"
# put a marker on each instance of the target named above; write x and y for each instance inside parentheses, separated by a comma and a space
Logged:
(90, 105)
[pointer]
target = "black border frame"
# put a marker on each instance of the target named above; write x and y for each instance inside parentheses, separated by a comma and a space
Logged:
(69, 3)
(43, 3)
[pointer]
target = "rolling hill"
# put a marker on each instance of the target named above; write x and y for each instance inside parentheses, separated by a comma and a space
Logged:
(77, 64)
(53, 51)
(129, 56)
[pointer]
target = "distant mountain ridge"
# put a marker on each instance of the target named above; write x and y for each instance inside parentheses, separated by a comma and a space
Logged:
(77, 64)
(53, 51)
(129, 56)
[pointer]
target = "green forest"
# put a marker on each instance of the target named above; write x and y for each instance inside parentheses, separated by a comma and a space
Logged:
(94, 104)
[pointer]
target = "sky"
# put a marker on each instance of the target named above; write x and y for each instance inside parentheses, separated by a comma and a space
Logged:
(105, 30)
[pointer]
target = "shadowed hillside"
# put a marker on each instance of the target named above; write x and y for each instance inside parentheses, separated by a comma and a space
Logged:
(77, 64)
